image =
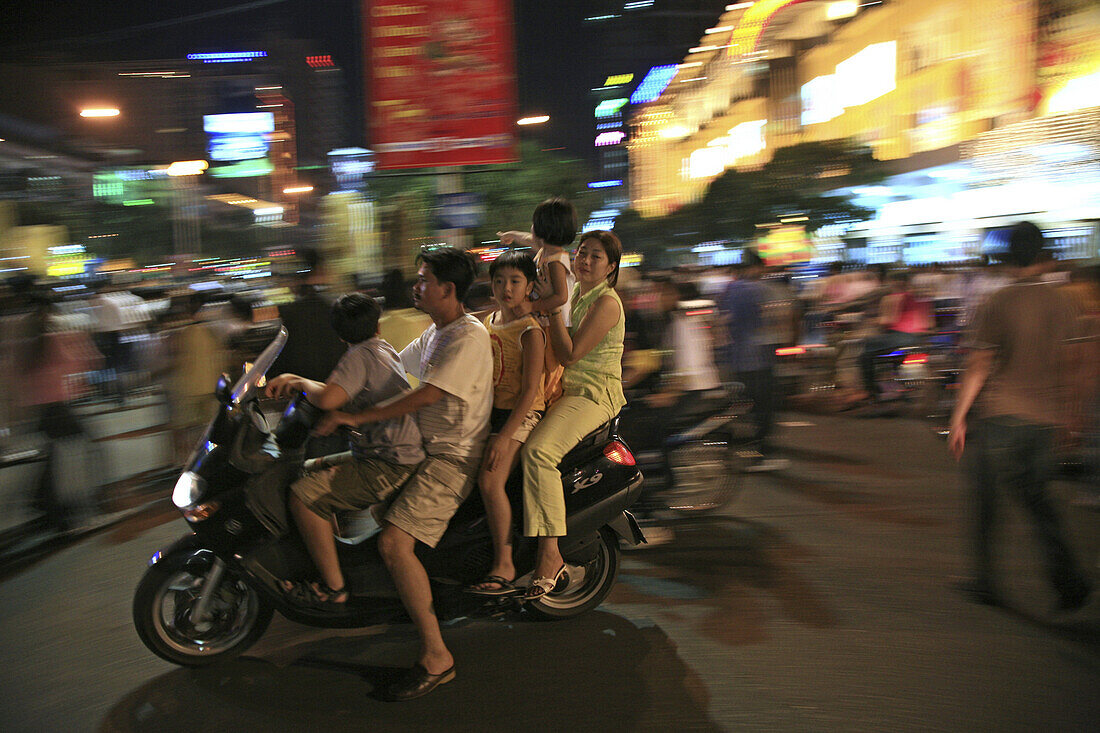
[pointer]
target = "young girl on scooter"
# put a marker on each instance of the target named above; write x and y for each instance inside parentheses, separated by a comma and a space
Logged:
(591, 350)
(553, 227)
(518, 359)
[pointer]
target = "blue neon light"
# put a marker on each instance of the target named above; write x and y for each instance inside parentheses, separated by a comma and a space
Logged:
(605, 184)
(653, 84)
(226, 57)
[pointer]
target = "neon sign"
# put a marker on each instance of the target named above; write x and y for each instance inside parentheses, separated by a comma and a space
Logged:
(653, 83)
(610, 107)
(228, 57)
(859, 79)
(240, 136)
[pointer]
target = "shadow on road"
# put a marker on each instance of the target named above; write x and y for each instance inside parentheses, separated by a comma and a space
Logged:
(871, 505)
(597, 672)
(843, 463)
(739, 574)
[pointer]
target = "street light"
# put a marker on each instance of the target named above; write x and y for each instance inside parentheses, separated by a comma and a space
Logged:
(187, 168)
(100, 112)
(297, 189)
(186, 227)
(537, 120)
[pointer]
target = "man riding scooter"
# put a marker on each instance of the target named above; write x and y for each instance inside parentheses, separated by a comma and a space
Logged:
(682, 374)
(453, 361)
(680, 413)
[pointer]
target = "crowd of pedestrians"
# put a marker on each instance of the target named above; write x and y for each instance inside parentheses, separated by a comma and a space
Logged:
(182, 338)
(443, 399)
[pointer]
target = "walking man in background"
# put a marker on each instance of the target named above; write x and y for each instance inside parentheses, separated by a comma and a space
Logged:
(312, 347)
(750, 354)
(1021, 381)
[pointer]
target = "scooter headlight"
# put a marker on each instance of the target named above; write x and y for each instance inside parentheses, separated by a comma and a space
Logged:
(190, 487)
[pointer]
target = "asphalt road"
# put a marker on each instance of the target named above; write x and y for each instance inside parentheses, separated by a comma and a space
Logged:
(821, 601)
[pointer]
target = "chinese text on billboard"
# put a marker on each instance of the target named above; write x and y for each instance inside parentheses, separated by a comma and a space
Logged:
(441, 82)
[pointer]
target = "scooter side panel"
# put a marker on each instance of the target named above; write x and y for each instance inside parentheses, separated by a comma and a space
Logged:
(586, 521)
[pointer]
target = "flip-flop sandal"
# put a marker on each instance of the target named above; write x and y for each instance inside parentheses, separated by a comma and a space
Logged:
(506, 587)
(541, 586)
(304, 594)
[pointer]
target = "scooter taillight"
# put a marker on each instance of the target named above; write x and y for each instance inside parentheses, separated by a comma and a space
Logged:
(616, 452)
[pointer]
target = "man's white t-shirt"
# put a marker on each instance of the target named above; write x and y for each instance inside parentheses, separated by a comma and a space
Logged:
(457, 359)
(692, 354)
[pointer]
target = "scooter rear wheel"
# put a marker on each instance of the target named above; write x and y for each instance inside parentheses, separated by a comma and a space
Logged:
(166, 597)
(587, 593)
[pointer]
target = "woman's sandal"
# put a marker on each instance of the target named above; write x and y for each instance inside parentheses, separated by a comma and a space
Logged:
(541, 586)
(318, 596)
(504, 588)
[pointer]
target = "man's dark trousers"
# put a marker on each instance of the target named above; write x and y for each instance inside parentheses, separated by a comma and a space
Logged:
(1006, 454)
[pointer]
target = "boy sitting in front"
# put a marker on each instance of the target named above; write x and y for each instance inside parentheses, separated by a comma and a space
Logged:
(384, 454)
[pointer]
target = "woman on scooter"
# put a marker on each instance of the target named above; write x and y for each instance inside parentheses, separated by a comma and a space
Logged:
(591, 351)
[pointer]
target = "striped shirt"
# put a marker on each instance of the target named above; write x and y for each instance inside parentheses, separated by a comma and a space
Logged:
(457, 359)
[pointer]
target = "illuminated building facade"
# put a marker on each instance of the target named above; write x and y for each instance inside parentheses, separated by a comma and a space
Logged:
(988, 111)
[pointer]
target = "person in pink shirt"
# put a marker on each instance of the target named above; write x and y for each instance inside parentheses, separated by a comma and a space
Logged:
(48, 363)
(904, 319)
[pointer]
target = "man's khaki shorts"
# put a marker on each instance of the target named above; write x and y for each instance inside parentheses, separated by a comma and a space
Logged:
(344, 483)
(424, 506)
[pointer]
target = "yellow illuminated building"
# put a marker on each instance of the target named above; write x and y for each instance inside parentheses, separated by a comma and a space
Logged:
(922, 82)
(351, 240)
(28, 248)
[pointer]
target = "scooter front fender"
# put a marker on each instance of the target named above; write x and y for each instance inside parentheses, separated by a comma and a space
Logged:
(189, 544)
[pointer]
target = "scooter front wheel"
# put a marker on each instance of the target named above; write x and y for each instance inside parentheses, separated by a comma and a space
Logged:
(167, 599)
(585, 593)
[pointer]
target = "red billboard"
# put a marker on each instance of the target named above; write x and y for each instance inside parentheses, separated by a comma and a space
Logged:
(440, 78)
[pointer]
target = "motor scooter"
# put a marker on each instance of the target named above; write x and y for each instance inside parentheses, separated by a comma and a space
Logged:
(692, 454)
(210, 595)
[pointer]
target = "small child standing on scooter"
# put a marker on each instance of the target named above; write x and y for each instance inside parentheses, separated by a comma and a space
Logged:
(519, 345)
(553, 227)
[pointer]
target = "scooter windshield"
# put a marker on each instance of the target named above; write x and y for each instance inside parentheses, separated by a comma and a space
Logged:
(250, 381)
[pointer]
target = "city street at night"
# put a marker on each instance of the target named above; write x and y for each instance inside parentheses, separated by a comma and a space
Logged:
(822, 599)
(349, 349)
